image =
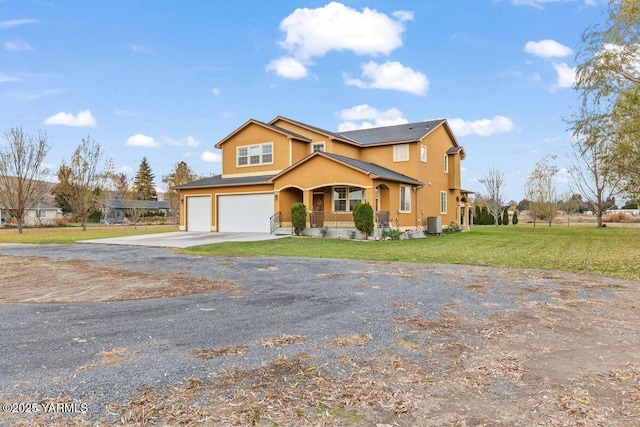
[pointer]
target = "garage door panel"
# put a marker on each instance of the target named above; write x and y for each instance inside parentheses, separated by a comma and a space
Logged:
(245, 213)
(199, 213)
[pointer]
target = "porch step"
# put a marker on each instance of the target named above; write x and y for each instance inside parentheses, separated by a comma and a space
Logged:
(283, 231)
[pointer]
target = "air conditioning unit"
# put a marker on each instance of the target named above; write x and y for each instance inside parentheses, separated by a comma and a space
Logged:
(434, 225)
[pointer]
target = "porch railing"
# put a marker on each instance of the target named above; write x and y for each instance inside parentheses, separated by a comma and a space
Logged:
(343, 219)
(275, 221)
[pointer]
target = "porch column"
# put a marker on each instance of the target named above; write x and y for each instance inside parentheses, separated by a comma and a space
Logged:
(307, 200)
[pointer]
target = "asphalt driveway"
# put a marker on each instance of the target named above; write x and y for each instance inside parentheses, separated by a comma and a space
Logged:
(183, 239)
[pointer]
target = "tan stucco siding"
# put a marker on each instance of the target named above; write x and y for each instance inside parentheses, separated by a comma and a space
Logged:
(214, 193)
(319, 172)
(255, 135)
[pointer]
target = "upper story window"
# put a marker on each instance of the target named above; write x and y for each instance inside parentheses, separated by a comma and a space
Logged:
(423, 153)
(401, 153)
(446, 163)
(250, 155)
(317, 146)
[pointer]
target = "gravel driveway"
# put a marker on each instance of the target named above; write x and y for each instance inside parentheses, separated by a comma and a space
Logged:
(62, 350)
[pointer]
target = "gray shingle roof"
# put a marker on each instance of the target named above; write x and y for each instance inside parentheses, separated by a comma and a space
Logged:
(219, 181)
(406, 132)
(380, 171)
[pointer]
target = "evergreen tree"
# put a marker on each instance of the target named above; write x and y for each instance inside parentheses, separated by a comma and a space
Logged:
(143, 186)
(505, 217)
(514, 221)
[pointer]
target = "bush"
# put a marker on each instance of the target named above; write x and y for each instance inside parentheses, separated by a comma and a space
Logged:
(363, 218)
(482, 216)
(298, 217)
(514, 221)
(391, 234)
(505, 217)
(453, 227)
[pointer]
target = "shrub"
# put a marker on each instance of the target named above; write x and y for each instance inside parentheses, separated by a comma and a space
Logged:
(453, 227)
(324, 231)
(482, 216)
(363, 218)
(505, 217)
(298, 217)
(391, 234)
(514, 221)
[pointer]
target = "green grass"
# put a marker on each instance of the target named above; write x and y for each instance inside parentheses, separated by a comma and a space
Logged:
(66, 235)
(601, 251)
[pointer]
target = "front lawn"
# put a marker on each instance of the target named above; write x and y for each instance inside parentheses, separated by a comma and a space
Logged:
(73, 234)
(591, 250)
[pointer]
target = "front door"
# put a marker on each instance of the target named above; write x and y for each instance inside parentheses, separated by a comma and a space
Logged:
(318, 208)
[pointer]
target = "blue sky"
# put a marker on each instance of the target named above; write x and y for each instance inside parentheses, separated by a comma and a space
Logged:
(168, 79)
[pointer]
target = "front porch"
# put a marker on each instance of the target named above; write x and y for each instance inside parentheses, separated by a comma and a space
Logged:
(331, 223)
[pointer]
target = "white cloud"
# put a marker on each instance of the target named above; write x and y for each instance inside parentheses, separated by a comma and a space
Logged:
(306, 35)
(547, 49)
(288, 67)
(566, 76)
(141, 140)
(17, 45)
(484, 127)
(392, 75)
(368, 32)
(539, 4)
(215, 91)
(141, 49)
(7, 79)
(365, 116)
(83, 119)
(189, 141)
(16, 22)
(210, 157)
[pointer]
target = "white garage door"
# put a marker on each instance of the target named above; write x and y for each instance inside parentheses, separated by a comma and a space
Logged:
(245, 213)
(199, 213)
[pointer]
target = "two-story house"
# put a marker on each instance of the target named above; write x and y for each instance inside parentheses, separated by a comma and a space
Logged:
(406, 173)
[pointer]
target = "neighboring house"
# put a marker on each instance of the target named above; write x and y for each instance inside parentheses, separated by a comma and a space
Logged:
(407, 173)
(41, 214)
(114, 210)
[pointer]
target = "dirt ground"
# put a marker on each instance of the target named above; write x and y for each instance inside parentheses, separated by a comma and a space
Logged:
(560, 361)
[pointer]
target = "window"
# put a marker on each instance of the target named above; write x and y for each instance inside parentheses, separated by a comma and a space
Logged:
(443, 202)
(446, 163)
(355, 197)
(423, 153)
(346, 198)
(401, 153)
(340, 199)
(255, 154)
(41, 213)
(267, 153)
(317, 146)
(405, 198)
(242, 156)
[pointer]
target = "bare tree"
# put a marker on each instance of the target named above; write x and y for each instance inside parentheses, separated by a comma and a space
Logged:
(88, 177)
(22, 173)
(181, 174)
(494, 183)
(594, 174)
(119, 185)
(541, 190)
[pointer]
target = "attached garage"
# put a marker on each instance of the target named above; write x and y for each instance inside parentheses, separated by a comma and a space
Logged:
(245, 213)
(199, 213)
